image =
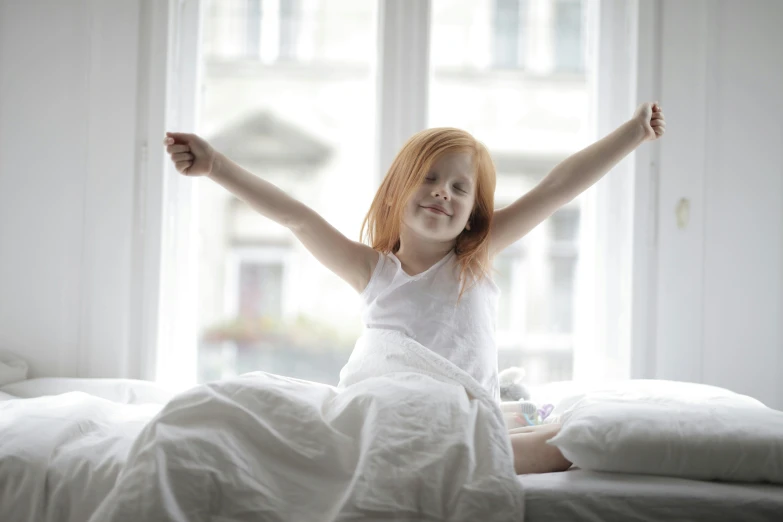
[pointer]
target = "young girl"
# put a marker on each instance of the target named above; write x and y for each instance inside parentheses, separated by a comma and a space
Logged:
(434, 231)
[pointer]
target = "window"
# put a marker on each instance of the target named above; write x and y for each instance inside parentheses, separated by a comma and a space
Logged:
(311, 133)
(253, 29)
(565, 226)
(263, 30)
(529, 125)
(260, 290)
(569, 49)
(508, 32)
(504, 278)
(561, 311)
(310, 129)
(290, 19)
(563, 250)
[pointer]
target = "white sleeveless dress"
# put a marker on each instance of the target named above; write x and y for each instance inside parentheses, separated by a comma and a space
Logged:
(424, 307)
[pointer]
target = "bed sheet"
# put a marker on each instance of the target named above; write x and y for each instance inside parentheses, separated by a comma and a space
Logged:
(589, 496)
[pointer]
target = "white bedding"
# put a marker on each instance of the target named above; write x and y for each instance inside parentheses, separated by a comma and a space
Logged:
(124, 391)
(590, 496)
(61, 454)
(406, 434)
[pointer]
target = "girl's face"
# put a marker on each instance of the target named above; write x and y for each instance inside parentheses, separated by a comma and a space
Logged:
(441, 206)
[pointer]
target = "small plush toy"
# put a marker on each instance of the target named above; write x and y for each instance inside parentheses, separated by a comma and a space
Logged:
(530, 415)
(511, 386)
(517, 407)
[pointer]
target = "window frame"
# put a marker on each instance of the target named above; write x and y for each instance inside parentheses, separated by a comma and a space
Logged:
(164, 311)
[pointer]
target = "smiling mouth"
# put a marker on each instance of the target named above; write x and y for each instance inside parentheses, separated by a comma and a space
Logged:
(435, 211)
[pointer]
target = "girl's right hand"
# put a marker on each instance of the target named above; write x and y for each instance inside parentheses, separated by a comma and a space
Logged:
(191, 155)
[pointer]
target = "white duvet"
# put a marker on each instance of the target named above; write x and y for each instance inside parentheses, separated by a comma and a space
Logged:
(406, 435)
(60, 455)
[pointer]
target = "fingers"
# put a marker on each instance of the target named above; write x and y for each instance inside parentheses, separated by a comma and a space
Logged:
(183, 166)
(177, 145)
(178, 136)
(658, 121)
(172, 149)
(182, 156)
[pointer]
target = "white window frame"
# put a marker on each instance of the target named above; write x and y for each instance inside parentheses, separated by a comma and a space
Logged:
(164, 308)
(165, 312)
(616, 273)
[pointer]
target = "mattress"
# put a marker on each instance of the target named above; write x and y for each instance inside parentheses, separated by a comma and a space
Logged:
(587, 496)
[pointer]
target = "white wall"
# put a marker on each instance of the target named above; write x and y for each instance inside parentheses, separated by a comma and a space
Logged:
(720, 277)
(69, 94)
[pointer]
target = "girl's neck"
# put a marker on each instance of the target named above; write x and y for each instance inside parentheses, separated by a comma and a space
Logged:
(418, 256)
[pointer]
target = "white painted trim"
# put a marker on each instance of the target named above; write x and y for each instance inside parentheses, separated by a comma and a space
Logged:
(680, 250)
(163, 302)
(602, 340)
(176, 356)
(645, 198)
(712, 133)
(403, 75)
(148, 194)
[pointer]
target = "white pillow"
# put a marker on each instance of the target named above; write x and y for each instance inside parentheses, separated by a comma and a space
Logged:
(565, 394)
(12, 368)
(124, 391)
(715, 439)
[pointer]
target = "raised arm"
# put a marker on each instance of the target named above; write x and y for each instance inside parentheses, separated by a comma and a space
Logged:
(351, 260)
(573, 176)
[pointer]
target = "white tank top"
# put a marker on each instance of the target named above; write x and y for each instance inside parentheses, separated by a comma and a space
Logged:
(424, 307)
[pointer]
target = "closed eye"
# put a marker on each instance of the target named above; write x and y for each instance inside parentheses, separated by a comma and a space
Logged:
(461, 189)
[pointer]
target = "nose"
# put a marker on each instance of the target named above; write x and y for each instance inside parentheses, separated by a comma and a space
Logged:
(439, 192)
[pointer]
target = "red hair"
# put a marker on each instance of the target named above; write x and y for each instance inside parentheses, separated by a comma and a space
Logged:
(404, 177)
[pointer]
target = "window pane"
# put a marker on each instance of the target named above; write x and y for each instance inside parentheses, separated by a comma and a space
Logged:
(565, 225)
(290, 22)
(504, 279)
(260, 290)
(288, 92)
(508, 26)
(530, 120)
(562, 288)
(569, 51)
(253, 28)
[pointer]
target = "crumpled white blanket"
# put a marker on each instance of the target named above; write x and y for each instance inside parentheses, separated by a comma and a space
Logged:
(406, 435)
(60, 455)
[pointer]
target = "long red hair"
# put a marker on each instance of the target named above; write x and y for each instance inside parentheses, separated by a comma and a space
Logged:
(407, 172)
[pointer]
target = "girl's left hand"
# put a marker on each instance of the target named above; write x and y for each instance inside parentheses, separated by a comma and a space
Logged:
(650, 116)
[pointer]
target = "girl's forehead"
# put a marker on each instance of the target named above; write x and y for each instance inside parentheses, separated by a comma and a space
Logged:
(456, 163)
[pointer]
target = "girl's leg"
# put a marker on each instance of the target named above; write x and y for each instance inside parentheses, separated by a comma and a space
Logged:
(531, 452)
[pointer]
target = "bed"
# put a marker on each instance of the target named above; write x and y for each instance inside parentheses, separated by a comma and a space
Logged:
(64, 441)
(77, 434)
(588, 496)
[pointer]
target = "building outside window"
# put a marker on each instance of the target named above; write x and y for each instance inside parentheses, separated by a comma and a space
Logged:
(289, 93)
